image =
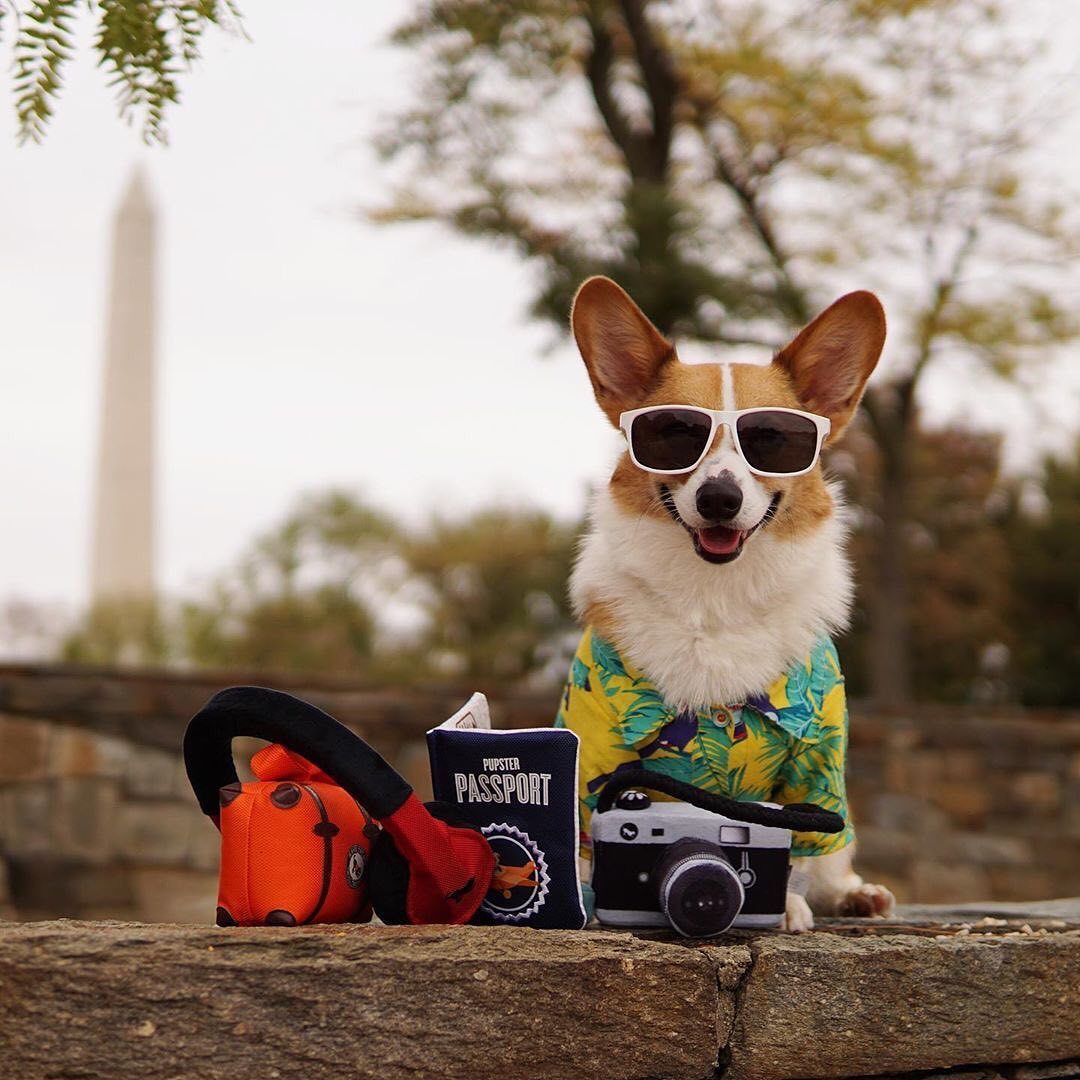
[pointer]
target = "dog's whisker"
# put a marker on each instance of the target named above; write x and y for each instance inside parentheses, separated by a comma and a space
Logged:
(654, 504)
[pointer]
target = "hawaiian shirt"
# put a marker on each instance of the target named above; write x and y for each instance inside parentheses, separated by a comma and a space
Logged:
(786, 745)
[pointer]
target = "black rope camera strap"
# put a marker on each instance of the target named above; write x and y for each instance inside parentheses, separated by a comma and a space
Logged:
(798, 817)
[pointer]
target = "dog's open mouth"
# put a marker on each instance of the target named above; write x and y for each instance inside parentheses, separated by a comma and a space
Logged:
(719, 543)
(719, 540)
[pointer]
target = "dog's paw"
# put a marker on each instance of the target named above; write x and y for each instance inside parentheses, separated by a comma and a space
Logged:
(797, 914)
(867, 901)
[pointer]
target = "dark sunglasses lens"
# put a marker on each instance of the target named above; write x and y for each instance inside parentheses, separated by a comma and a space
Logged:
(778, 442)
(670, 438)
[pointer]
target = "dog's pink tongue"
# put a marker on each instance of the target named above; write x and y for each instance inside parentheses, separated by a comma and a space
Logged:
(719, 539)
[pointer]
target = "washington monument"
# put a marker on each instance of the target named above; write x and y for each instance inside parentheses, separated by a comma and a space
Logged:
(123, 546)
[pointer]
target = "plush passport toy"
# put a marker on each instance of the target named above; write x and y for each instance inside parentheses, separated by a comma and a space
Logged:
(519, 787)
(294, 836)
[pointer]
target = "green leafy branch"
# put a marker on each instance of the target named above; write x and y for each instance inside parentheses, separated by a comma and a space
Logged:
(42, 47)
(144, 45)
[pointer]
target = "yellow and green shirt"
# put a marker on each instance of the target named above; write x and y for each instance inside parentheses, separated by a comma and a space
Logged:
(786, 745)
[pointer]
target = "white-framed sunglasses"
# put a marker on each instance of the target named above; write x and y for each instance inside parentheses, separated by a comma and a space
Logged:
(672, 439)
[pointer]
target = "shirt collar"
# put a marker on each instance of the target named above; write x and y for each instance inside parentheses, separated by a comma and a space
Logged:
(787, 703)
(795, 701)
(643, 714)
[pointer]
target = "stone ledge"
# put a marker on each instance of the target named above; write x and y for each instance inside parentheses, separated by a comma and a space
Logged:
(827, 1006)
(122, 1000)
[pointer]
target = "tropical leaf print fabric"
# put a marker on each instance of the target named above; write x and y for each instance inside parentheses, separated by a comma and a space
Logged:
(786, 745)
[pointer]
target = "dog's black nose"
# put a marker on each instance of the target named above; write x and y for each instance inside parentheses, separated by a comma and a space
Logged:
(719, 499)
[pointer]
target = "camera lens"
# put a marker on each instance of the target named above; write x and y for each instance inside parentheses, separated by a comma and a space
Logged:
(699, 891)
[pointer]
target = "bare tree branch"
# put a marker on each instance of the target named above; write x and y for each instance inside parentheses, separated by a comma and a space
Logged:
(659, 78)
(876, 412)
(598, 70)
(747, 196)
(930, 325)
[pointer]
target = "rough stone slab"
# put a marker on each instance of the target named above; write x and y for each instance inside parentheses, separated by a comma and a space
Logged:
(26, 749)
(151, 707)
(1056, 1070)
(25, 810)
(169, 894)
(152, 774)
(159, 834)
(115, 1000)
(732, 965)
(822, 1005)
(1067, 909)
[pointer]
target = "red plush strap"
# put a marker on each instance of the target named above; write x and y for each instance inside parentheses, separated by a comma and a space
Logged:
(450, 869)
(276, 762)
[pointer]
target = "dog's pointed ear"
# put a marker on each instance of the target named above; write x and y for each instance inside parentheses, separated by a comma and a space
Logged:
(831, 359)
(621, 348)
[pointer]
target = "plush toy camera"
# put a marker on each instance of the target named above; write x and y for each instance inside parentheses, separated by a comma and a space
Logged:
(666, 862)
(701, 865)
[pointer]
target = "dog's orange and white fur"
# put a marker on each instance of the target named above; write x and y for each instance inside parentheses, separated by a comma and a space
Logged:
(707, 633)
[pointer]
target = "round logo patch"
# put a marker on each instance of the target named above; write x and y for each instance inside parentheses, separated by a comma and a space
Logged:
(520, 883)
(354, 866)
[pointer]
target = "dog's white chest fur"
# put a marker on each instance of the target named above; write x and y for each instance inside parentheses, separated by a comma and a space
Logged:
(707, 634)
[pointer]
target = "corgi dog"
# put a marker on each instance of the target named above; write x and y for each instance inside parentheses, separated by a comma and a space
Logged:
(713, 573)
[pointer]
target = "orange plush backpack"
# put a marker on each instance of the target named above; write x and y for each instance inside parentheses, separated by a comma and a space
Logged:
(300, 846)
(294, 847)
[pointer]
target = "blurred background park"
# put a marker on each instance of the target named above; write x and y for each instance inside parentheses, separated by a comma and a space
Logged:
(368, 442)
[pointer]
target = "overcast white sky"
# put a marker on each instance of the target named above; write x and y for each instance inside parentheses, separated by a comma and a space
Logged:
(292, 338)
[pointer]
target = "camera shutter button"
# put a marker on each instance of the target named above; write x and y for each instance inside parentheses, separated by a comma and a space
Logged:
(633, 800)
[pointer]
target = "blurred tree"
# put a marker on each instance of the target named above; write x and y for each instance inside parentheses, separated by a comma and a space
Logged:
(994, 576)
(960, 595)
(303, 600)
(144, 46)
(1043, 534)
(494, 592)
(130, 633)
(30, 629)
(734, 165)
(483, 596)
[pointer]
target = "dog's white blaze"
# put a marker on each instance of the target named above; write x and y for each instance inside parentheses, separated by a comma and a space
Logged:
(725, 459)
(727, 387)
(727, 401)
(702, 644)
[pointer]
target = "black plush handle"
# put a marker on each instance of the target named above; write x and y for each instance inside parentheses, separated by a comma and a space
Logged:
(799, 817)
(298, 725)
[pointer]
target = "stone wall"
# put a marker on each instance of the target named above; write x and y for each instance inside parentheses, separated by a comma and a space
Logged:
(958, 804)
(108, 1001)
(97, 819)
(96, 816)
